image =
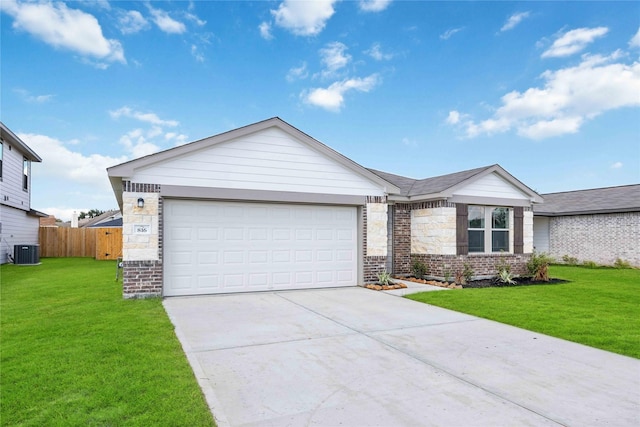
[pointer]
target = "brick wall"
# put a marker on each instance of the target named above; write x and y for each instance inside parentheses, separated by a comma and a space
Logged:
(141, 279)
(601, 238)
(483, 265)
(402, 239)
(373, 265)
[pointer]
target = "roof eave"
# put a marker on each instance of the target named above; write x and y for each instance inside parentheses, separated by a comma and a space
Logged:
(8, 135)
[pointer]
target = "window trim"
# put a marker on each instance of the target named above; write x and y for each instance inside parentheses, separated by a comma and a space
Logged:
(26, 172)
(488, 230)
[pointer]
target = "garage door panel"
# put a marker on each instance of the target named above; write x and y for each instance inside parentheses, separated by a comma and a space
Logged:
(257, 246)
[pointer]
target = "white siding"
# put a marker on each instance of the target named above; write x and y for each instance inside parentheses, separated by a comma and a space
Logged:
(541, 234)
(17, 229)
(491, 185)
(11, 184)
(267, 160)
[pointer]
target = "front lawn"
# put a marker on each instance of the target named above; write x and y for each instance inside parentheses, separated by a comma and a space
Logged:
(73, 352)
(600, 307)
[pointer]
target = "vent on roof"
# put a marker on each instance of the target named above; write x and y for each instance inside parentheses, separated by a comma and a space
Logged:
(26, 254)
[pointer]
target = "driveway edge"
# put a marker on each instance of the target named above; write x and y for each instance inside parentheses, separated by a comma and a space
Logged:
(203, 381)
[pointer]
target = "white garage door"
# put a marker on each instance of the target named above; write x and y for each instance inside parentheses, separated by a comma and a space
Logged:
(221, 247)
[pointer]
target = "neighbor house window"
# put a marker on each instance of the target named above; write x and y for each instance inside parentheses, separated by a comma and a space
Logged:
(488, 229)
(1, 152)
(25, 173)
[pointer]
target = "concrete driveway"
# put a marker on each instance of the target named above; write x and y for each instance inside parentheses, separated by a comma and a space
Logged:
(356, 357)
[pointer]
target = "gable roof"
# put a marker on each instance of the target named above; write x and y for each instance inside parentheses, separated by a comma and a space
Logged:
(127, 169)
(103, 217)
(445, 185)
(7, 135)
(625, 198)
(107, 224)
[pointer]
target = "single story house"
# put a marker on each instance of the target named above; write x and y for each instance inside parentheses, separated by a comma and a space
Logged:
(19, 223)
(267, 207)
(108, 219)
(599, 224)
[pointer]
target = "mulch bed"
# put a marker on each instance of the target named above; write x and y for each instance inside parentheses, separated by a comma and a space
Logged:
(519, 281)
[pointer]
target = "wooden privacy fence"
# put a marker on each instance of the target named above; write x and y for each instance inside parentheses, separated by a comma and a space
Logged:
(98, 243)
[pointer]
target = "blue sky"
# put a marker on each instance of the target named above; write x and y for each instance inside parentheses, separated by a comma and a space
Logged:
(549, 90)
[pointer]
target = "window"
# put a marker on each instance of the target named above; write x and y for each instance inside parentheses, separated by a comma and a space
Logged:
(488, 229)
(25, 173)
(1, 152)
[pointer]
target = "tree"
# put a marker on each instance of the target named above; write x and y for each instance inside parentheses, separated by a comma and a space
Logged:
(91, 214)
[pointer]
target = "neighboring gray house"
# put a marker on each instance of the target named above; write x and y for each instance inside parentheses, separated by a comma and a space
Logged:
(18, 222)
(600, 224)
(109, 219)
(267, 207)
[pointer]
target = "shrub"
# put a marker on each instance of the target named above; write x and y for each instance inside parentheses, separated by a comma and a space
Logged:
(505, 276)
(468, 272)
(538, 266)
(384, 278)
(419, 268)
(569, 260)
(620, 263)
(504, 271)
(589, 264)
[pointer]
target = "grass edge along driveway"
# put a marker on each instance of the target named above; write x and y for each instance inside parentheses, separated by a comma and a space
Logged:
(73, 352)
(600, 307)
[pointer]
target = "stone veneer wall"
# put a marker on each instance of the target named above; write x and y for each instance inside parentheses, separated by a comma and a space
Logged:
(601, 238)
(527, 232)
(441, 266)
(374, 224)
(433, 230)
(142, 253)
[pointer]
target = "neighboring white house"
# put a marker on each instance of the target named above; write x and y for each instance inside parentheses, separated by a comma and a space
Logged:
(267, 207)
(18, 222)
(599, 224)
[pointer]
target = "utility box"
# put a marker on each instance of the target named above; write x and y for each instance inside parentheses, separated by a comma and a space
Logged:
(26, 254)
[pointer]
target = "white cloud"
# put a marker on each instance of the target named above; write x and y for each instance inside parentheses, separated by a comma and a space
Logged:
(375, 51)
(616, 165)
(62, 27)
(333, 57)
(33, 99)
(569, 97)
(304, 18)
(165, 22)
(194, 18)
(265, 31)
(65, 172)
(195, 52)
(635, 40)
(298, 73)
(447, 34)
(143, 117)
(137, 142)
(131, 22)
(574, 41)
(374, 5)
(332, 98)
(514, 20)
(453, 118)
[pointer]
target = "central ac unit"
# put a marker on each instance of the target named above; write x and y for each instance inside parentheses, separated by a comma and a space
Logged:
(26, 254)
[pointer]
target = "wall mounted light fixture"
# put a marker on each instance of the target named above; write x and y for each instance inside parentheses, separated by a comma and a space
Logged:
(141, 202)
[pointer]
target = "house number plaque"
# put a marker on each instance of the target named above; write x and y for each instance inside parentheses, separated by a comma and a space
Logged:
(141, 229)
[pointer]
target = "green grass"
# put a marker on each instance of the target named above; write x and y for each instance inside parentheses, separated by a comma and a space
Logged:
(73, 352)
(599, 307)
